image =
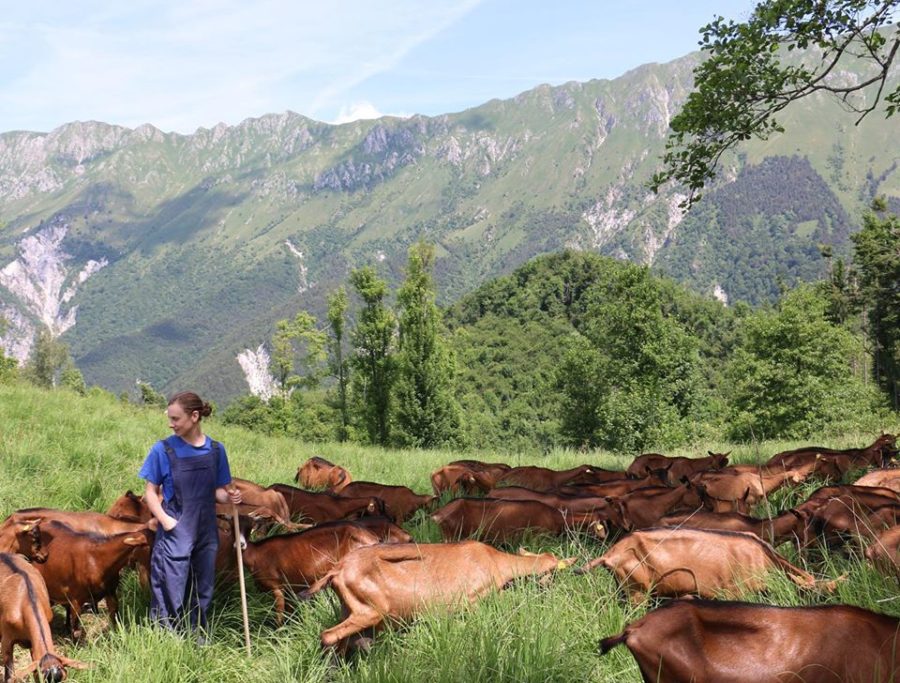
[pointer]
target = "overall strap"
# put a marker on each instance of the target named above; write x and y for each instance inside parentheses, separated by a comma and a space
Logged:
(171, 457)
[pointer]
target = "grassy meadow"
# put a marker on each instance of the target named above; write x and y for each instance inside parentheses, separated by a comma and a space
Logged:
(61, 450)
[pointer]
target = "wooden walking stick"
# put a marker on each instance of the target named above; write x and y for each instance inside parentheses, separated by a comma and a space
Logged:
(240, 564)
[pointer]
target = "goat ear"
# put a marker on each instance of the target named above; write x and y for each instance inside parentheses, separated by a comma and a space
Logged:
(73, 663)
(29, 524)
(135, 540)
(526, 553)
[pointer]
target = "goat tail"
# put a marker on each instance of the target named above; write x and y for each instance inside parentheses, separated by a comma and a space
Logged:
(607, 644)
(319, 585)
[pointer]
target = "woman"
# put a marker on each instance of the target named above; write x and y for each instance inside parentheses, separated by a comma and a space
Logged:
(186, 476)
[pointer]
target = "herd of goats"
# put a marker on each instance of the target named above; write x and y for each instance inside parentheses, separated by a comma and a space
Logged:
(678, 527)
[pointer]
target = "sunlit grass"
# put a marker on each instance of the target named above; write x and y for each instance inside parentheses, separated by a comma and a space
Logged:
(59, 450)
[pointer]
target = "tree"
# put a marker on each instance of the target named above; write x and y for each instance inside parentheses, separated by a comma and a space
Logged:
(634, 380)
(150, 397)
(792, 375)
(373, 362)
(48, 360)
(745, 79)
(877, 259)
(425, 412)
(8, 364)
(298, 349)
(337, 310)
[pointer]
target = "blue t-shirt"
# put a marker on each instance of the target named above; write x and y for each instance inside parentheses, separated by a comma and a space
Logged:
(156, 466)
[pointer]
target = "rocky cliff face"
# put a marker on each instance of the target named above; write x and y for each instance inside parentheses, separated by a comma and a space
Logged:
(43, 280)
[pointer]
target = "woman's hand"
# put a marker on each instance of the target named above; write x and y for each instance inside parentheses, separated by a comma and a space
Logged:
(168, 522)
(235, 496)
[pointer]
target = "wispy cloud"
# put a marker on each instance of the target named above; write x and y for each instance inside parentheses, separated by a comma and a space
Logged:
(180, 65)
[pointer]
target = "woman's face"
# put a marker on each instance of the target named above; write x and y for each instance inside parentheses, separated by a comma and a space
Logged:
(181, 422)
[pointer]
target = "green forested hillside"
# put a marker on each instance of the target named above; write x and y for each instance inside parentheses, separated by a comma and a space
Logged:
(160, 257)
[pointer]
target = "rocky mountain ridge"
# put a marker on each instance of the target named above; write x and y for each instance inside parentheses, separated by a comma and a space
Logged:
(197, 243)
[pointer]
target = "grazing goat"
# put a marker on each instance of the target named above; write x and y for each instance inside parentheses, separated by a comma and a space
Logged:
(701, 641)
(319, 473)
(676, 562)
(379, 582)
(25, 617)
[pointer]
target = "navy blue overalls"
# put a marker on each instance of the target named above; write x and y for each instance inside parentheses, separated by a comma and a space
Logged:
(182, 569)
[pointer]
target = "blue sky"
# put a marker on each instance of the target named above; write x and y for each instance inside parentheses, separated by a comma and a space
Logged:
(191, 63)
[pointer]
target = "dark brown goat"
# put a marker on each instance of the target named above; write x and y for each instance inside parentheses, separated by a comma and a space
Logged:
(561, 502)
(498, 521)
(786, 526)
(316, 507)
(294, 561)
(81, 567)
(642, 508)
(676, 466)
(702, 641)
(612, 489)
(544, 479)
(400, 502)
(879, 454)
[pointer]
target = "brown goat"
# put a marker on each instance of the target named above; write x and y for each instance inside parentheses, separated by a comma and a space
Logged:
(784, 527)
(544, 479)
(612, 489)
(81, 567)
(495, 469)
(675, 562)
(80, 521)
(738, 491)
(676, 466)
(399, 581)
(701, 641)
(130, 507)
(885, 478)
(254, 495)
(884, 551)
(561, 502)
(879, 453)
(642, 508)
(25, 617)
(498, 521)
(293, 561)
(319, 473)
(459, 478)
(400, 502)
(843, 518)
(316, 506)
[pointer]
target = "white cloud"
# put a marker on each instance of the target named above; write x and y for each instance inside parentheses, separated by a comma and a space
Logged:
(356, 112)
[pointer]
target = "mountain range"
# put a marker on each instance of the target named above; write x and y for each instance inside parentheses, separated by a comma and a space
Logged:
(161, 257)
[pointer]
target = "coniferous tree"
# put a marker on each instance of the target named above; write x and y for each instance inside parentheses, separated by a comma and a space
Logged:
(425, 412)
(877, 253)
(337, 310)
(373, 362)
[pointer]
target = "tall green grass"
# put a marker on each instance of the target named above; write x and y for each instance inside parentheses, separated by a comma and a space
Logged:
(61, 450)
